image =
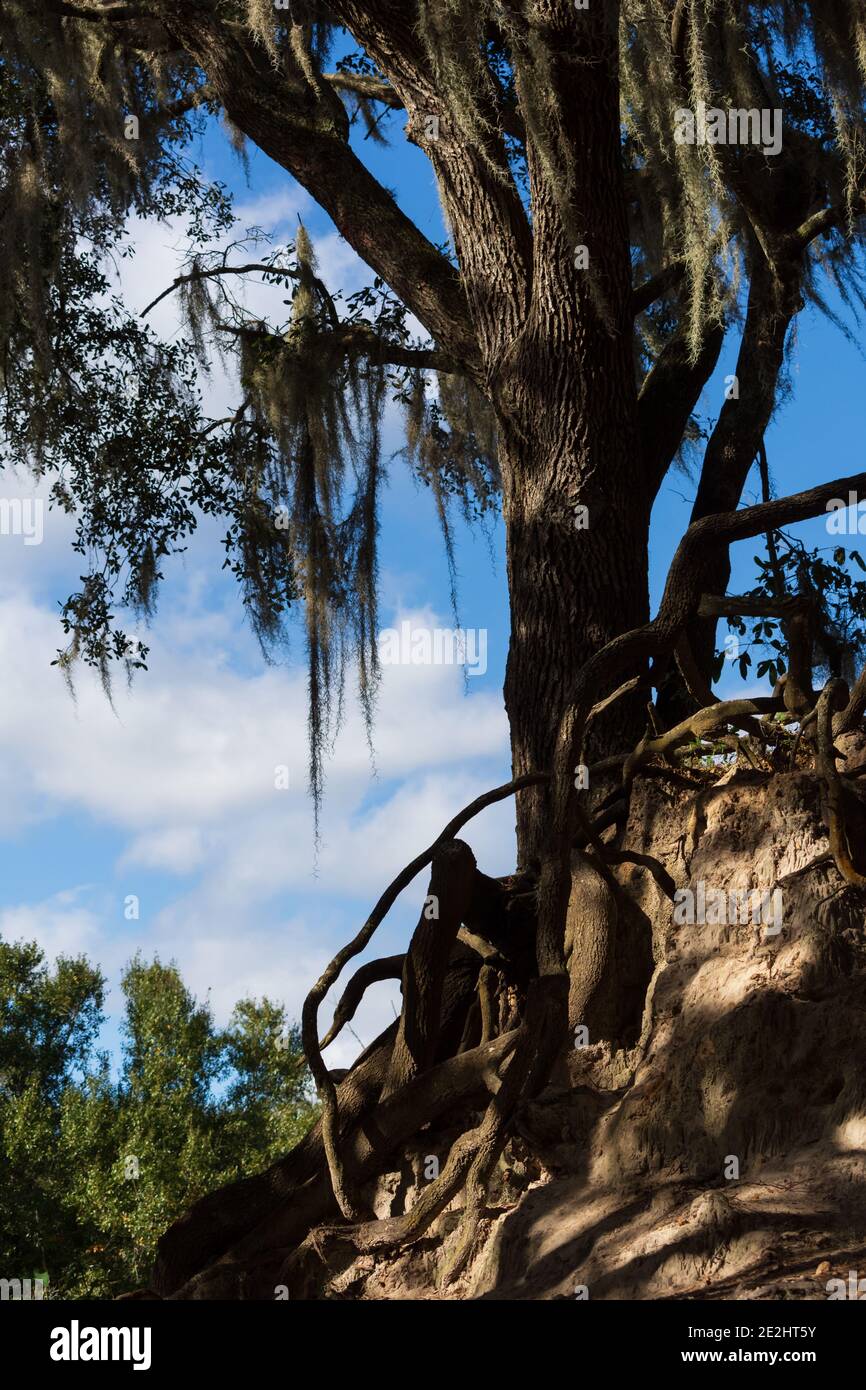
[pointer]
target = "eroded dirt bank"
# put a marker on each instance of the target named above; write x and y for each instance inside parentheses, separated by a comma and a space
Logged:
(713, 1145)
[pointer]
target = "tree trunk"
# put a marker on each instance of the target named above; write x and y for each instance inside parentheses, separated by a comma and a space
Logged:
(571, 591)
(567, 404)
(576, 502)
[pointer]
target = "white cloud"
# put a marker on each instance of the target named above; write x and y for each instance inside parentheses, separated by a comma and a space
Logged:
(194, 741)
(184, 770)
(62, 925)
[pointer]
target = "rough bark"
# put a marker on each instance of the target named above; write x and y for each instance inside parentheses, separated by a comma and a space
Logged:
(567, 402)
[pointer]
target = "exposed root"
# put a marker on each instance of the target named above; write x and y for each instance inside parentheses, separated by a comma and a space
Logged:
(692, 730)
(645, 861)
(426, 962)
(451, 1081)
(486, 989)
(852, 716)
(834, 698)
(346, 1201)
(536, 947)
(541, 1038)
(387, 968)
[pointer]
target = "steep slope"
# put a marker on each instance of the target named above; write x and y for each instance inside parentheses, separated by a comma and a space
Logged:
(720, 1153)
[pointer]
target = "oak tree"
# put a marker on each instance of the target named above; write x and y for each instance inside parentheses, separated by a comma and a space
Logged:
(627, 185)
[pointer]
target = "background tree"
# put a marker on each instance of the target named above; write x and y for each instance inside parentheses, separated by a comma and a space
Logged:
(95, 1166)
(596, 264)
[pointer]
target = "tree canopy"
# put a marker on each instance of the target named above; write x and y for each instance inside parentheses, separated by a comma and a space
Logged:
(99, 105)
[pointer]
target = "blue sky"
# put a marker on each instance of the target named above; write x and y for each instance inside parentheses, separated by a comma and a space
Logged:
(171, 796)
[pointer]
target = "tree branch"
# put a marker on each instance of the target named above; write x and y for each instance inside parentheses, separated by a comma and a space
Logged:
(668, 395)
(752, 606)
(825, 220)
(345, 337)
(376, 89)
(361, 339)
(209, 273)
(363, 85)
(649, 291)
(305, 130)
(743, 419)
(484, 210)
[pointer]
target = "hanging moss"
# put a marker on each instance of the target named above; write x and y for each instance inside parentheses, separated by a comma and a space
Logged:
(306, 445)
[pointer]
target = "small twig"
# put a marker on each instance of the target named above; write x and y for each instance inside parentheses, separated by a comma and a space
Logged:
(209, 273)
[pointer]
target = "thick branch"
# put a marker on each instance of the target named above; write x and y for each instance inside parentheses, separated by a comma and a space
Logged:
(299, 128)
(669, 395)
(825, 220)
(650, 290)
(743, 419)
(483, 207)
(363, 85)
(751, 606)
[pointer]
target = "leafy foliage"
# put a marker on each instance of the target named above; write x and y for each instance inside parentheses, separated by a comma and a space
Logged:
(840, 610)
(92, 1167)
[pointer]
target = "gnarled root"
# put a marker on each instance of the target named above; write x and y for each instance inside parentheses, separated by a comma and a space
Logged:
(460, 957)
(833, 700)
(387, 968)
(471, 1160)
(368, 1149)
